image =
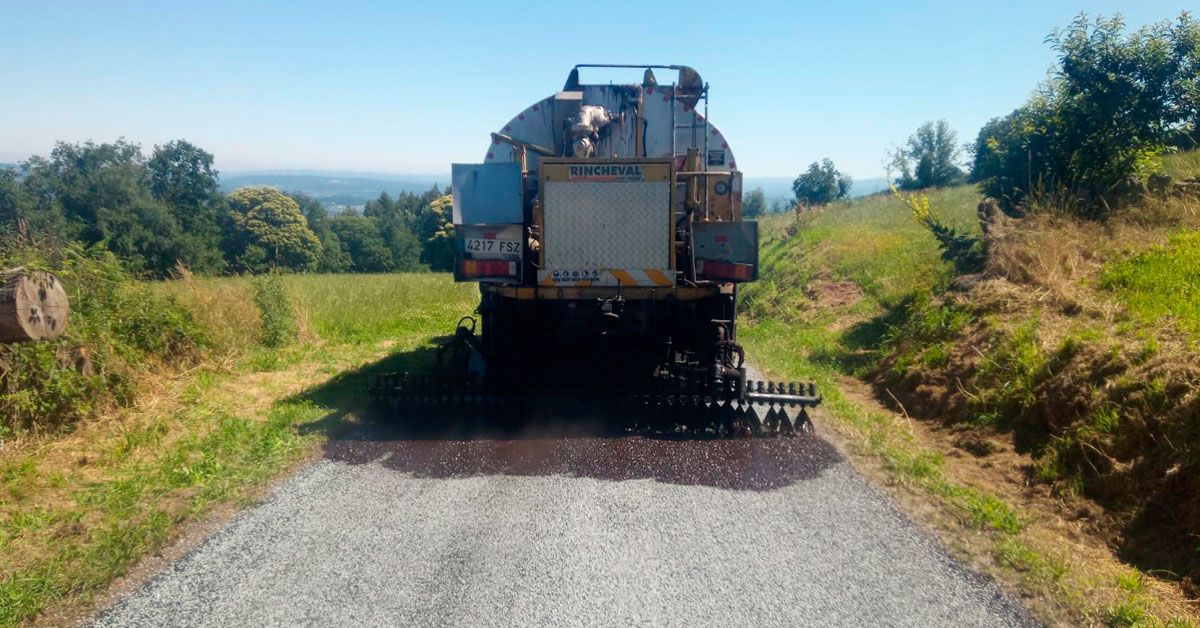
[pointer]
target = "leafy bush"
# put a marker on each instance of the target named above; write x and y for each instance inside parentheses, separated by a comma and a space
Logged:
(755, 204)
(278, 317)
(822, 183)
(961, 248)
(1099, 125)
(118, 326)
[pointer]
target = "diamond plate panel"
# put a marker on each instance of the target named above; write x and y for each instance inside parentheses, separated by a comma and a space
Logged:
(601, 225)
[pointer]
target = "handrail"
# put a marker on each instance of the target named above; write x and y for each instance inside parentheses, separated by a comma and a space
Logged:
(541, 150)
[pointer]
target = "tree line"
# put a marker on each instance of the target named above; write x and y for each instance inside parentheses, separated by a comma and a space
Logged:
(164, 210)
(1091, 136)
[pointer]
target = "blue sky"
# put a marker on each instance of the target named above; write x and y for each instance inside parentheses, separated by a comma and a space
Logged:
(398, 87)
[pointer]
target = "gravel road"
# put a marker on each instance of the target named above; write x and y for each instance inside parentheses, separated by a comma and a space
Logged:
(581, 530)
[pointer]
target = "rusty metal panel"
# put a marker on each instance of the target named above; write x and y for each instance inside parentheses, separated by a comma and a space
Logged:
(487, 194)
(536, 125)
(727, 241)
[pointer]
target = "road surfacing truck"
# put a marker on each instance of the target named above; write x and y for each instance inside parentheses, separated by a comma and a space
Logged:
(605, 230)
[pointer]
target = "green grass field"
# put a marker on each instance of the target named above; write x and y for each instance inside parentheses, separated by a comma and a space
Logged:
(371, 308)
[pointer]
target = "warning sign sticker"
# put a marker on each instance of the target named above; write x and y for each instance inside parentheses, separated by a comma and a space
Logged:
(716, 157)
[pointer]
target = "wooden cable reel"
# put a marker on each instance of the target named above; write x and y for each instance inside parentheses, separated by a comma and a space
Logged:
(33, 305)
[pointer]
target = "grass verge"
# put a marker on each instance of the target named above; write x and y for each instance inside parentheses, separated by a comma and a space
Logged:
(1161, 282)
(990, 530)
(79, 509)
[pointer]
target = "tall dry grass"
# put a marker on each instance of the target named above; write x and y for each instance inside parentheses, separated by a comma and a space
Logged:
(224, 306)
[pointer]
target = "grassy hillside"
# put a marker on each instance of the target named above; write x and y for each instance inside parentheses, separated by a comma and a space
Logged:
(1061, 380)
(82, 503)
(838, 275)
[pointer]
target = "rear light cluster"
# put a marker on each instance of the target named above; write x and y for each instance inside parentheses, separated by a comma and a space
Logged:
(489, 268)
(725, 270)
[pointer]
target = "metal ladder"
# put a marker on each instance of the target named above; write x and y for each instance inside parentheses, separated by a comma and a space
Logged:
(675, 128)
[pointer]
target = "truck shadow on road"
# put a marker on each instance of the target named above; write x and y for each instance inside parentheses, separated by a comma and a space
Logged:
(545, 439)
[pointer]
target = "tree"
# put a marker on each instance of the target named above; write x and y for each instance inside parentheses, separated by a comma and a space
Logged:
(102, 193)
(183, 177)
(438, 250)
(270, 232)
(407, 224)
(1184, 36)
(927, 158)
(405, 249)
(334, 258)
(383, 208)
(822, 183)
(28, 195)
(360, 236)
(14, 199)
(430, 223)
(1096, 128)
(755, 204)
(153, 214)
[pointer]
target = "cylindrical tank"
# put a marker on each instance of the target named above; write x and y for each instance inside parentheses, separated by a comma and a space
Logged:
(541, 124)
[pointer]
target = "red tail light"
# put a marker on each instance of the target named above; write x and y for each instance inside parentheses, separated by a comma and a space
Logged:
(725, 270)
(489, 268)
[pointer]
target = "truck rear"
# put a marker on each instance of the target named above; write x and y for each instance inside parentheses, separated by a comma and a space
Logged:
(605, 230)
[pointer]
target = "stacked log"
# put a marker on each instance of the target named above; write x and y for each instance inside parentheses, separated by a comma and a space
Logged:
(33, 305)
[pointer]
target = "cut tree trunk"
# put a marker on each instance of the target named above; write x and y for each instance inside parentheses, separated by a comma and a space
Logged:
(33, 305)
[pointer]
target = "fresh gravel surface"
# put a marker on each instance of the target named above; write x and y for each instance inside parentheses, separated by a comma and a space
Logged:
(571, 530)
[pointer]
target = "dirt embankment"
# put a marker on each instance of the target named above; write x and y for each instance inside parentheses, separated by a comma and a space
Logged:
(1099, 411)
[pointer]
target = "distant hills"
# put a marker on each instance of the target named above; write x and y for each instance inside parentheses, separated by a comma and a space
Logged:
(781, 187)
(353, 189)
(867, 187)
(333, 187)
(345, 188)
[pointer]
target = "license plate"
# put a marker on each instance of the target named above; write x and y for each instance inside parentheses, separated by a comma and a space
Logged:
(479, 245)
